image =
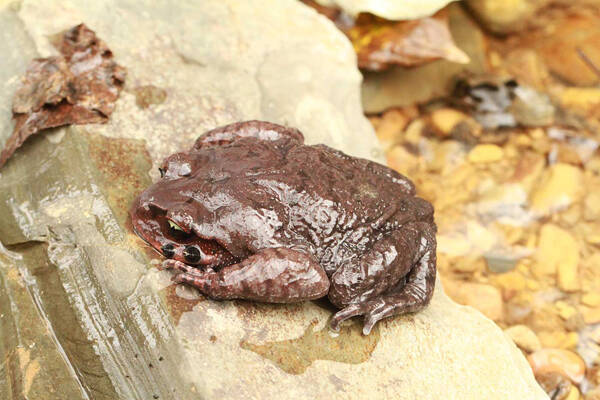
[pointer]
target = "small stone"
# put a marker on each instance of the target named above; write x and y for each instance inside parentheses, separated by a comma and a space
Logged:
(593, 394)
(581, 99)
(558, 360)
(560, 186)
(573, 394)
(447, 155)
(558, 339)
(453, 245)
(555, 384)
(558, 251)
(446, 119)
(468, 264)
(512, 281)
(401, 160)
(485, 298)
(524, 338)
(565, 310)
(591, 211)
(390, 126)
(481, 238)
(591, 315)
(414, 131)
(591, 299)
(532, 108)
(485, 153)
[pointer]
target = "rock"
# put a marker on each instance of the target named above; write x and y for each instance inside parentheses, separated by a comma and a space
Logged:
(592, 206)
(446, 119)
(532, 108)
(391, 126)
(503, 16)
(389, 9)
(591, 299)
(558, 253)
(485, 298)
(564, 362)
(560, 186)
(85, 312)
(524, 337)
(559, 339)
(579, 99)
(485, 153)
(555, 384)
(591, 315)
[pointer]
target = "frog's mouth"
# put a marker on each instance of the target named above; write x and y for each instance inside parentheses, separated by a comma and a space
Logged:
(178, 243)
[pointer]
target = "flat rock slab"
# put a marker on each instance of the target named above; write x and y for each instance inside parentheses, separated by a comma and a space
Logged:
(84, 310)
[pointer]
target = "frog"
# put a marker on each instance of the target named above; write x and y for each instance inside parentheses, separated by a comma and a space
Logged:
(251, 212)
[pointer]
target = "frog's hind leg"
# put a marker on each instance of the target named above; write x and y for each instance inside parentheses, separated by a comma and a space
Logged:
(277, 275)
(409, 294)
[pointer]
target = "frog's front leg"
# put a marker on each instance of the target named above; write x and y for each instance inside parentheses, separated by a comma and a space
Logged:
(373, 288)
(277, 275)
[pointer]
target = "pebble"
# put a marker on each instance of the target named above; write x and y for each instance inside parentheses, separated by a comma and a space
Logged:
(591, 299)
(485, 298)
(559, 339)
(524, 338)
(592, 206)
(558, 252)
(390, 126)
(583, 99)
(555, 385)
(560, 186)
(485, 153)
(565, 310)
(558, 360)
(591, 315)
(446, 119)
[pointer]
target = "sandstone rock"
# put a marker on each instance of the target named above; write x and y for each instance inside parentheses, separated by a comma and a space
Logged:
(524, 337)
(86, 313)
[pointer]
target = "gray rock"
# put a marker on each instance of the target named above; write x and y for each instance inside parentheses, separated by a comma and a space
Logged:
(85, 312)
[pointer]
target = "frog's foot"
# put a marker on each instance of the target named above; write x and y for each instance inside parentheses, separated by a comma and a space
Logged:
(378, 309)
(182, 267)
(404, 298)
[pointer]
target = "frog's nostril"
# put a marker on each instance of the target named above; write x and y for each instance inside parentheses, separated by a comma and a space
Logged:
(191, 254)
(168, 250)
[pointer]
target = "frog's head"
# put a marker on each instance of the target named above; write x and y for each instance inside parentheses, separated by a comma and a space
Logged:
(164, 216)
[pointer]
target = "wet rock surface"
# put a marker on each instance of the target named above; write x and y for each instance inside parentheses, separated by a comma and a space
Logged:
(85, 313)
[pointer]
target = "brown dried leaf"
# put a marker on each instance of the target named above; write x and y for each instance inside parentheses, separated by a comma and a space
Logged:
(78, 87)
(380, 43)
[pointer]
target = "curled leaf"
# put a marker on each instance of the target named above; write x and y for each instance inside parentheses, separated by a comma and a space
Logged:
(380, 43)
(79, 86)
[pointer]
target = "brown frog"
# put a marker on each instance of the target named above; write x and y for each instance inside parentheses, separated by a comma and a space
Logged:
(250, 212)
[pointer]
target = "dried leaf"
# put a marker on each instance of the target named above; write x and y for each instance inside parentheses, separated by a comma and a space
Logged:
(380, 43)
(78, 87)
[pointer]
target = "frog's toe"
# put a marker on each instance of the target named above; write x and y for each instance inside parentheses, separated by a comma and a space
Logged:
(351, 311)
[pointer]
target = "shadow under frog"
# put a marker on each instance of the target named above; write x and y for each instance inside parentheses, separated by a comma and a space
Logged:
(294, 356)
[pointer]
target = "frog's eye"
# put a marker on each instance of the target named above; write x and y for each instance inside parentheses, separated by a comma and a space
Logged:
(162, 172)
(174, 226)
